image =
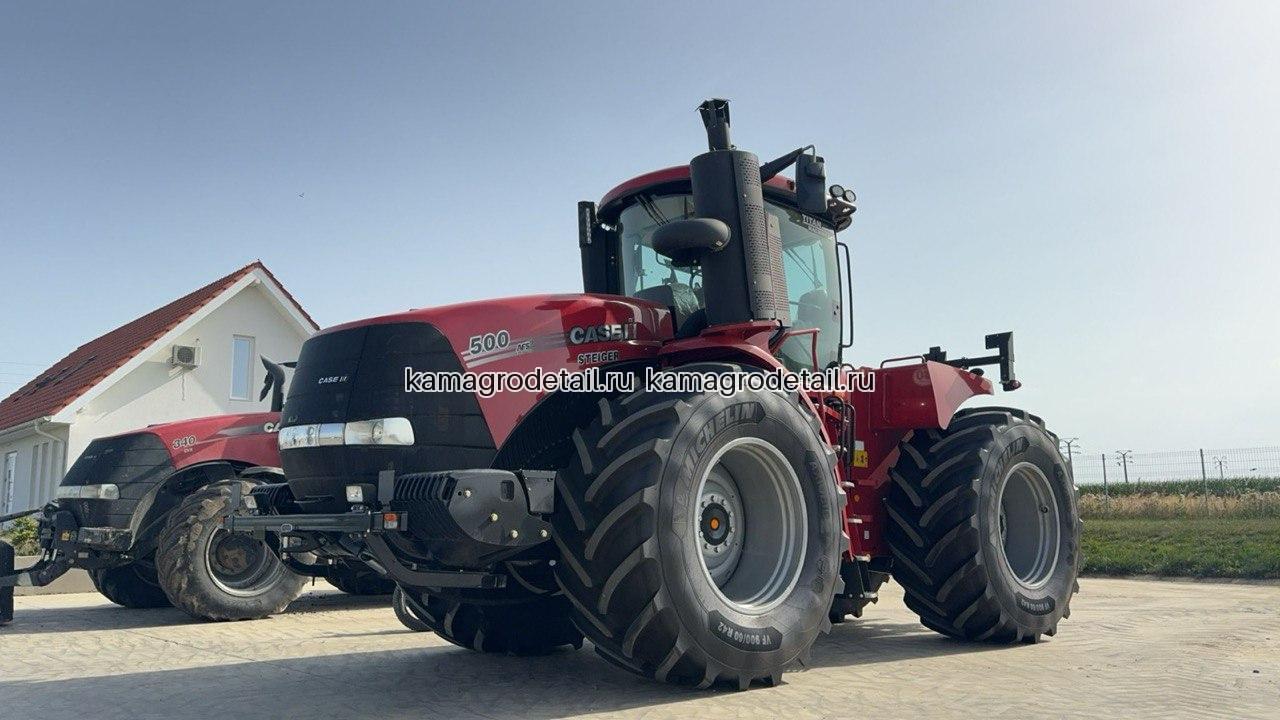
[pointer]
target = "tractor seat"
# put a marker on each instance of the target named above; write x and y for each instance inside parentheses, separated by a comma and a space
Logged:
(687, 315)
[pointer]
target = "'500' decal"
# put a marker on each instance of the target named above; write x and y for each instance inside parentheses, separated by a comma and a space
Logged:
(488, 342)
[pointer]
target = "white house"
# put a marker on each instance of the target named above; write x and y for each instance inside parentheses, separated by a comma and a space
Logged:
(196, 356)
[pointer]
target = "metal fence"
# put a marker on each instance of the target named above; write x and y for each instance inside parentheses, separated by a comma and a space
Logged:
(1126, 467)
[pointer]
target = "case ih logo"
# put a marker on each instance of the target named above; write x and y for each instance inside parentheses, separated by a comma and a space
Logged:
(602, 333)
(328, 379)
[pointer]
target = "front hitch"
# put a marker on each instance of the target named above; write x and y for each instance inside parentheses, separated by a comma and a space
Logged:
(467, 518)
(57, 532)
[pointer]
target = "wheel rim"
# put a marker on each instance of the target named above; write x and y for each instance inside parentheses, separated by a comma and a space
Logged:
(240, 565)
(1029, 527)
(750, 527)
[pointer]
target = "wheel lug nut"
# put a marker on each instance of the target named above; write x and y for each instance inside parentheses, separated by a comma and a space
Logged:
(493, 517)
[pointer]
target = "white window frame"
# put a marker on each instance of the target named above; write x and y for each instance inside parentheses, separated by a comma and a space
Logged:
(253, 351)
(8, 480)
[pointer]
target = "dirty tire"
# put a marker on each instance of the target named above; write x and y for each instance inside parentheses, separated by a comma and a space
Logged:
(183, 562)
(534, 626)
(945, 528)
(631, 527)
(407, 614)
(132, 586)
(358, 579)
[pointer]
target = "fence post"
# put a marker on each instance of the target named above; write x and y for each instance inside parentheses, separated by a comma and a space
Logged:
(1204, 481)
(1106, 496)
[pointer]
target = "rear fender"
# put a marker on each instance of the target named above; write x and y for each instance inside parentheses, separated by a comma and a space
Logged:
(923, 395)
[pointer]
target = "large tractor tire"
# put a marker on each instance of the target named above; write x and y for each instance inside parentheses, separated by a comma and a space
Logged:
(409, 615)
(358, 579)
(212, 574)
(531, 625)
(984, 527)
(133, 586)
(700, 535)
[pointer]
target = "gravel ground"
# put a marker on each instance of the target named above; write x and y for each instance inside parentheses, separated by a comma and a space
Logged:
(1132, 648)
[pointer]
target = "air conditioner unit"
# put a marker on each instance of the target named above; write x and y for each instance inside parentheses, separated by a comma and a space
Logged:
(185, 356)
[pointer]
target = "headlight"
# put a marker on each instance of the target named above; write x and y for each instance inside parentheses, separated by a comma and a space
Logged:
(383, 431)
(314, 435)
(107, 491)
(386, 431)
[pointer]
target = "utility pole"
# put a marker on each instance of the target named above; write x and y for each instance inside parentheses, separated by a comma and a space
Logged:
(1124, 463)
(1221, 462)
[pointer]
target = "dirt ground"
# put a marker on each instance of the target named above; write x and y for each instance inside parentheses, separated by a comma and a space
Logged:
(1131, 649)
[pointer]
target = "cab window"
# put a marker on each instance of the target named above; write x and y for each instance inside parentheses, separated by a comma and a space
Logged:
(808, 259)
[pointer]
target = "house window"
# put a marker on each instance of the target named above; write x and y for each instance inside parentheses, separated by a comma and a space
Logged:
(241, 368)
(7, 481)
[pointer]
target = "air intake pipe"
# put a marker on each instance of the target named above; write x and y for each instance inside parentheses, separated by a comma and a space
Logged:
(744, 279)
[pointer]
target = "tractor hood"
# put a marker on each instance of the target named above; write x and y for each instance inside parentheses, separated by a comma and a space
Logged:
(357, 371)
(139, 462)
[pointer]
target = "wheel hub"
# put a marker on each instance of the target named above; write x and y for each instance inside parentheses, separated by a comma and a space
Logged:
(1029, 527)
(240, 565)
(750, 527)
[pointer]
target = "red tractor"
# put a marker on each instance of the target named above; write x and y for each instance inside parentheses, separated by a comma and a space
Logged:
(693, 534)
(141, 512)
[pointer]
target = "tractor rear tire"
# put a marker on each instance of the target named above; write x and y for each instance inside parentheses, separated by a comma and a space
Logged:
(984, 527)
(358, 579)
(133, 586)
(214, 575)
(648, 511)
(535, 626)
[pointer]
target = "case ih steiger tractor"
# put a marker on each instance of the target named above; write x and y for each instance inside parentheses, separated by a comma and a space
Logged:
(693, 536)
(141, 512)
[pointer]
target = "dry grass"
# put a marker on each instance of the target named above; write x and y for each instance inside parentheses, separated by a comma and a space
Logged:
(1160, 506)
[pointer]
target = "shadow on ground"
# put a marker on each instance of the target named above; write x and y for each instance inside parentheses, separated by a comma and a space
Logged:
(104, 616)
(435, 681)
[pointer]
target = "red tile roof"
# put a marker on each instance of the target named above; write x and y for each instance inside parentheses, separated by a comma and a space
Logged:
(89, 364)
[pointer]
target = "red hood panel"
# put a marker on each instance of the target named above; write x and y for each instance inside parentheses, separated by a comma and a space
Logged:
(552, 332)
(246, 438)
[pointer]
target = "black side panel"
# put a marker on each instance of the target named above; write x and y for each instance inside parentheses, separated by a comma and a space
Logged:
(358, 374)
(136, 463)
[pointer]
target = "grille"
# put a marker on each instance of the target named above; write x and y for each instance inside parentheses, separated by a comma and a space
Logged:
(358, 374)
(135, 463)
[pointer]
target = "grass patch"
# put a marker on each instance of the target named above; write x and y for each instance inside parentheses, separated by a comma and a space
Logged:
(1183, 547)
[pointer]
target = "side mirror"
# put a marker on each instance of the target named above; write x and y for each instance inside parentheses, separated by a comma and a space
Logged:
(686, 241)
(811, 184)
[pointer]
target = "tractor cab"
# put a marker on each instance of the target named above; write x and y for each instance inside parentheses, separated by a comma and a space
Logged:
(647, 239)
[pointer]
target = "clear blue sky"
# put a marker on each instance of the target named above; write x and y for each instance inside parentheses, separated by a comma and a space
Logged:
(1102, 178)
